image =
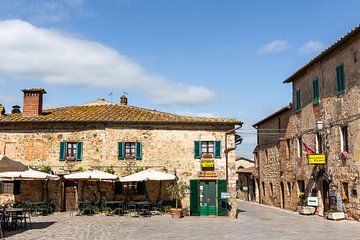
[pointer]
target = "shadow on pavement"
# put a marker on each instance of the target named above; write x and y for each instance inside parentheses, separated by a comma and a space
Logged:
(34, 225)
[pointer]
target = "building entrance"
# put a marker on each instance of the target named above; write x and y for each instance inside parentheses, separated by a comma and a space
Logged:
(207, 194)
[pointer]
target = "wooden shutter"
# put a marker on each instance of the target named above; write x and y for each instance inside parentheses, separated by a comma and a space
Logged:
(138, 151)
(194, 197)
(197, 150)
(118, 187)
(62, 151)
(222, 203)
(16, 189)
(140, 188)
(298, 100)
(121, 150)
(340, 79)
(316, 96)
(217, 149)
(79, 151)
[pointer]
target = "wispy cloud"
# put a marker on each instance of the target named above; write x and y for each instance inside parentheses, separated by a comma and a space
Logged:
(274, 46)
(311, 47)
(29, 52)
(197, 114)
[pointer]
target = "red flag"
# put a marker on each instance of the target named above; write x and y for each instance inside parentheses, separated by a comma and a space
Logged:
(308, 149)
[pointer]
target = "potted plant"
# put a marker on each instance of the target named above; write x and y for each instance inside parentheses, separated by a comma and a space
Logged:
(177, 192)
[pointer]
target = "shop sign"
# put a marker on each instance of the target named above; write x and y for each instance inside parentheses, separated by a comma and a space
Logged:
(312, 201)
(207, 174)
(316, 159)
(225, 195)
(207, 164)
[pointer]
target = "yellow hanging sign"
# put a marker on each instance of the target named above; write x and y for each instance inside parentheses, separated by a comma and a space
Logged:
(316, 159)
(207, 164)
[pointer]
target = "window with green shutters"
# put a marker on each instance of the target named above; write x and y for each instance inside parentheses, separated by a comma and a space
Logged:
(129, 150)
(316, 94)
(71, 151)
(340, 79)
(207, 149)
(222, 203)
(194, 197)
(298, 100)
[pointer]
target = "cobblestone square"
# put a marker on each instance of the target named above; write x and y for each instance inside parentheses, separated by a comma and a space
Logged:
(254, 222)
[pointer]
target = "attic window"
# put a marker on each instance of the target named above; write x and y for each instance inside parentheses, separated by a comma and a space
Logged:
(355, 55)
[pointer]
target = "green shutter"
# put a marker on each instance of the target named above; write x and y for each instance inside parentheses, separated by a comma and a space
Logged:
(62, 151)
(118, 187)
(340, 79)
(16, 189)
(121, 150)
(194, 198)
(298, 100)
(217, 149)
(79, 151)
(197, 150)
(222, 203)
(316, 95)
(138, 151)
(140, 188)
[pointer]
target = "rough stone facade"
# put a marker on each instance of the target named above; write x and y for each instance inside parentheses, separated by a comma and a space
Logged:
(288, 156)
(167, 148)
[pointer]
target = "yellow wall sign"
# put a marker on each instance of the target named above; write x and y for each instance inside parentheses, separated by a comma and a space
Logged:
(316, 159)
(207, 164)
(207, 174)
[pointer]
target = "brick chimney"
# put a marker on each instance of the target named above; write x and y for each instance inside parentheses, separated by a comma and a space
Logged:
(123, 100)
(33, 101)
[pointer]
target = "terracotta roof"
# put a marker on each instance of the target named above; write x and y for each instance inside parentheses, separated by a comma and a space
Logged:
(324, 53)
(246, 170)
(111, 113)
(275, 114)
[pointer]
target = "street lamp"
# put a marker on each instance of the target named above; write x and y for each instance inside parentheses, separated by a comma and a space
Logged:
(319, 125)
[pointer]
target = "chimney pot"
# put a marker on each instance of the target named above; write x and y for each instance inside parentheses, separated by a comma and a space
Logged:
(15, 109)
(33, 101)
(123, 100)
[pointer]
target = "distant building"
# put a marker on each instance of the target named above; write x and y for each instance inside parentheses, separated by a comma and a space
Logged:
(245, 186)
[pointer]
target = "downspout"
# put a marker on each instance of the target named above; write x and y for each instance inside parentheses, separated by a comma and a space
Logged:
(227, 150)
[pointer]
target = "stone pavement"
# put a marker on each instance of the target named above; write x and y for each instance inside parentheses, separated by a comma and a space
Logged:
(254, 222)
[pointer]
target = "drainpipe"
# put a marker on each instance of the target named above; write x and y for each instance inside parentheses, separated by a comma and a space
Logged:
(227, 150)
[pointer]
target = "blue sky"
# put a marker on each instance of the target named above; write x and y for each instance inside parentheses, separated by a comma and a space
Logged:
(193, 57)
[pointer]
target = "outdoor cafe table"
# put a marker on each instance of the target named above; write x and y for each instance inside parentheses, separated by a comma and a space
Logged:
(113, 204)
(12, 213)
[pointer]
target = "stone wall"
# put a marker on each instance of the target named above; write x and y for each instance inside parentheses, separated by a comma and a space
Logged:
(166, 148)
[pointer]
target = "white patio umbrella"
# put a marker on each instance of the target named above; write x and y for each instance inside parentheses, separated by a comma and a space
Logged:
(94, 174)
(28, 174)
(8, 164)
(149, 174)
(91, 175)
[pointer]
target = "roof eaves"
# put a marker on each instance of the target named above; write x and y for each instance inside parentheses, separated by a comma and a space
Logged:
(277, 113)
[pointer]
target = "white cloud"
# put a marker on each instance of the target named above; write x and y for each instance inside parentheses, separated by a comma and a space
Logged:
(311, 47)
(274, 46)
(29, 52)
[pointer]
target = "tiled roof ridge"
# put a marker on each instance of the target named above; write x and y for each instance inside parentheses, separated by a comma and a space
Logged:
(324, 53)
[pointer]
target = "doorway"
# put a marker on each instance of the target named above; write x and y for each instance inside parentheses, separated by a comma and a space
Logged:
(325, 195)
(70, 196)
(282, 192)
(207, 190)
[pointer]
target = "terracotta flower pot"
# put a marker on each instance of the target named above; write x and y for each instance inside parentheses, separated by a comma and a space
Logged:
(176, 212)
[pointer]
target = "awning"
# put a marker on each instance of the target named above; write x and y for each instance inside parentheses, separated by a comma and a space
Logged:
(94, 174)
(149, 174)
(28, 174)
(7, 164)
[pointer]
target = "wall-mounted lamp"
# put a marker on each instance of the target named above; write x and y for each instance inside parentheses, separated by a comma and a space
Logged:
(319, 125)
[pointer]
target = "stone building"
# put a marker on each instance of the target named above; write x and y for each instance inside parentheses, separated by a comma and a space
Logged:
(324, 122)
(245, 169)
(123, 139)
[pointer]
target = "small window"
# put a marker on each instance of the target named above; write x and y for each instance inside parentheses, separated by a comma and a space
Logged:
(71, 150)
(344, 139)
(7, 187)
(318, 143)
(271, 189)
(355, 55)
(207, 149)
(301, 186)
(298, 101)
(133, 188)
(289, 188)
(299, 147)
(345, 195)
(316, 94)
(263, 188)
(130, 150)
(340, 79)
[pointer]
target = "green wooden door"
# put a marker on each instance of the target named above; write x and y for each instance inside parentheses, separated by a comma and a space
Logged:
(207, 198)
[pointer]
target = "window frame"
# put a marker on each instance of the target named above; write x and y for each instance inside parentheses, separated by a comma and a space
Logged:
(207, 148)
(340, 79)
(73, 149)
(316, 92)
(344, 139)
(131, 146)
(298, 100)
